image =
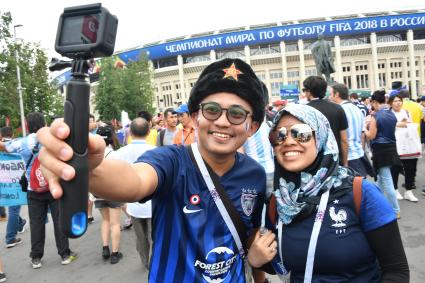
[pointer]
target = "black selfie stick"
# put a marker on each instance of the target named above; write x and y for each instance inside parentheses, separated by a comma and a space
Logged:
(73, 204)
(84, 32)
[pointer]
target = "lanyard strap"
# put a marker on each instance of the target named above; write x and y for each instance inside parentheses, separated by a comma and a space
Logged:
(279, 234)
(283, 271)
(217, 199)
(313, 239)
(314, 236)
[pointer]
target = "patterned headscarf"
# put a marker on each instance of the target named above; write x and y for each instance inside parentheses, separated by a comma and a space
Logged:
(293, 190)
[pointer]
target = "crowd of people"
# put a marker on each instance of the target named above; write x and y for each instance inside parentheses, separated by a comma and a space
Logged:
(227, 187)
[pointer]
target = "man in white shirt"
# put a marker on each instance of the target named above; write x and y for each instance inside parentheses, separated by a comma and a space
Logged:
(141, 213)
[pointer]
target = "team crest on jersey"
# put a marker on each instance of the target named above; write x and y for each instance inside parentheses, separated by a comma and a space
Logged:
(339, 217)
(248, 199)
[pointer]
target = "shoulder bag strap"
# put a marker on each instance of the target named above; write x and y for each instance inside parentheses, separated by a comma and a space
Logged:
(222, 201)
(161, 137)
(33, 152)
(29, 161)
(357, 193)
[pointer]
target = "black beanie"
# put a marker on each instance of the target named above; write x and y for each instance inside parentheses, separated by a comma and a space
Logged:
(233, 76)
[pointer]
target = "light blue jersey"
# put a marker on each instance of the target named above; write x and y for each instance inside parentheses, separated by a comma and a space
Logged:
(355, 121)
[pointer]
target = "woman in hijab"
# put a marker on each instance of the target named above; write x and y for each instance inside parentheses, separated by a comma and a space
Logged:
(321, 237)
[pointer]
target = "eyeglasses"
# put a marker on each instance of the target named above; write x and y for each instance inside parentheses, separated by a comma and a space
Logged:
(302, 133)
(235, 114)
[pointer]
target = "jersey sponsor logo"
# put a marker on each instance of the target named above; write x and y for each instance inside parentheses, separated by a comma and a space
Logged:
(217, 264)
(189, 211)
(248, 199)
(194, 200)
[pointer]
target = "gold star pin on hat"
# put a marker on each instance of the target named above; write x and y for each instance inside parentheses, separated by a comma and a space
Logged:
(231, 72)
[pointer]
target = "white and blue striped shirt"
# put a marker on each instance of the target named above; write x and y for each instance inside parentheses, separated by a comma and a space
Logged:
(355, 121)
(259, 148)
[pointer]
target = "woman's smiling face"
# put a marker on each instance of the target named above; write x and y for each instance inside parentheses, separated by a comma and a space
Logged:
(292, 155)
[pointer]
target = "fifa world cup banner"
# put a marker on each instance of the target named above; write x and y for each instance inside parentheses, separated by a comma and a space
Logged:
(11, 169)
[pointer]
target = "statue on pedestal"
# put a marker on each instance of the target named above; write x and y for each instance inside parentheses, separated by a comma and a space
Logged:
(322, 54)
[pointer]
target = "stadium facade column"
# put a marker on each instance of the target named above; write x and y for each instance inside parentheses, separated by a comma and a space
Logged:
(387, 73)
(267, 82)
(404, 71)
(302, 61)
(152, 70)
(353, 74)
(374, 66)
(161, 99)
(181, 76)
(247, 50)
(213, 56)
(284, 64)
(412, 65)
(371, 77)
(247, 54)
(421, 76)
(338, 64)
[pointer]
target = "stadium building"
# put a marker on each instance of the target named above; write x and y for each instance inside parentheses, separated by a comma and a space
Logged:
(371, 51)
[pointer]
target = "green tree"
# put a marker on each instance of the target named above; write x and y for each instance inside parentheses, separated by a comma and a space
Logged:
(128, 88)
(109, 91)
(7, 100)
(38, 93)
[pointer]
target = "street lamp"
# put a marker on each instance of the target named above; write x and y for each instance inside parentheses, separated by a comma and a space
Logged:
(18, 75)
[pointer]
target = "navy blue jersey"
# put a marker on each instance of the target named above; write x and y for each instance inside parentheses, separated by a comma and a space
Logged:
(191, 241)
(343, 253)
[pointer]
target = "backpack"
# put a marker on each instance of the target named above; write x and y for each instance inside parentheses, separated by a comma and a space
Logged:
(38, 183)
(161, 137)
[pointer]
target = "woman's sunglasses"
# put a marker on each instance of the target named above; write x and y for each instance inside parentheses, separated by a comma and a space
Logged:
(302, 133)
(235, 114)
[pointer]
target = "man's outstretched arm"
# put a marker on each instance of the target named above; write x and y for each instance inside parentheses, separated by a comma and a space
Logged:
(112, 179)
